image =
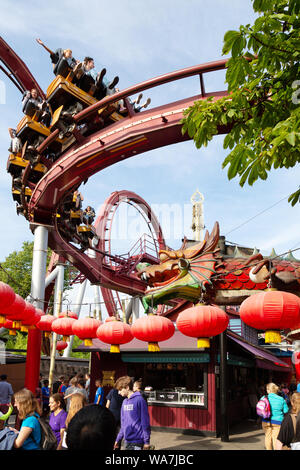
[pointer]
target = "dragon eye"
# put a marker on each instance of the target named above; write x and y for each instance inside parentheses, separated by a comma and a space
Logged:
(183, 264)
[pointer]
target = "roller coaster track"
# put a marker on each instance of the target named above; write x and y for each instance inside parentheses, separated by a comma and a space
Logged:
(16, 70)
(134, 134)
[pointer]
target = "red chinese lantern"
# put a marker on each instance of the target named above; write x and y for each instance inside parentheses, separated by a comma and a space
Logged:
(32, 320)
(45, 324)
(9, 324)
(114, 332)
(61, 345)
(68, 314)
(17, 311)
(271, 310)
(86, 329)
(27, 315)
(7, 297)
(202, 322)
(63, 326)
(153, 329)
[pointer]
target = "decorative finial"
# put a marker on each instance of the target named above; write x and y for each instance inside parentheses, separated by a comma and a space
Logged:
(198, 217)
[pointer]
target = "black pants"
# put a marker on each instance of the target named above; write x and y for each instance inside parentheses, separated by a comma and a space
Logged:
(85, 82)
(62, 68)
(30, 108)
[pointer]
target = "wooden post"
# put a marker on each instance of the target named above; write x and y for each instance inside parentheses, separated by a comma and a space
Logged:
(223, 388)
(53, 345)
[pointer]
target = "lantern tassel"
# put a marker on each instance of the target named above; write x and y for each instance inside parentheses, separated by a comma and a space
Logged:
(88, 342)
(203, 343)
(272, 336)
(47, 334)
(2, 319)
(114, 348)
(12, 332)
(153, 347)
(66, 338)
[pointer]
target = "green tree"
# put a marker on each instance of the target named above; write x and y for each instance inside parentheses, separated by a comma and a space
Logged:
(261, 111)
(83, 355)
(16, 271)
(16, 342)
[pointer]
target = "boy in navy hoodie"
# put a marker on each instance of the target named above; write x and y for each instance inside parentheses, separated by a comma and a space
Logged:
(135, 422)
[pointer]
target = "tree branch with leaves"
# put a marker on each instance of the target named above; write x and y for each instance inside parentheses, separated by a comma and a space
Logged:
(262, 109)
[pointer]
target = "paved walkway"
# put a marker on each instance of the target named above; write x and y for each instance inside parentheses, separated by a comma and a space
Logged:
(244, 436)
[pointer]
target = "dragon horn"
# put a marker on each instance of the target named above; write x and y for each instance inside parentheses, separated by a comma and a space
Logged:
(213, 239)
(208, 244)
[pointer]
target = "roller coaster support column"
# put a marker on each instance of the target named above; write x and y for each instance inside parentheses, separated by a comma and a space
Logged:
(135, 308)
(76, 310)
(39, 263)
(92, 254)
(97, 302)
(58, 294)
(223, 387)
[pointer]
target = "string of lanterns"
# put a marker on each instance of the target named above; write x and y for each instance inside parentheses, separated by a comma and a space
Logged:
(271, 311)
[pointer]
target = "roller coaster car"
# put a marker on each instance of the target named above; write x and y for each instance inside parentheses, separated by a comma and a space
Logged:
(72, 201)
(64, 96)
(86, 233)
(34, 132)
(16, 164)
(16, 193)
(75, 217)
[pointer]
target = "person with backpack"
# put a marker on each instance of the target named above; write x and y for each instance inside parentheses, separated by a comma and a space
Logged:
(35, 432)
(289, 433)
(278, 408)
(29, 436)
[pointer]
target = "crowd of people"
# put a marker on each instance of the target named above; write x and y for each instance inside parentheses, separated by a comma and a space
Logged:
(282, 427)
(76, 420)
(118, 419)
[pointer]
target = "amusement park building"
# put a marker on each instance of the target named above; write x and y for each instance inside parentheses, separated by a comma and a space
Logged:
(185, 380)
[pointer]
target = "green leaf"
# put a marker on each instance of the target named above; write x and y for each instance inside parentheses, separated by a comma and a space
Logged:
(291, 138)
(294, 198)
(229, 40)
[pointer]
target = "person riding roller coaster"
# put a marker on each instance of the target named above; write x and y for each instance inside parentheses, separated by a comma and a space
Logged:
(62, 60)
(15, 143)
(88, 215)
(83, 74)
(34, 105)
(92, 82)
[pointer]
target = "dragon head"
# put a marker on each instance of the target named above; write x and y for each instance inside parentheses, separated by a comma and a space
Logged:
(183, 273)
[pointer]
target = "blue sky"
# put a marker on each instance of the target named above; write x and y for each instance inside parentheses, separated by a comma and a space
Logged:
(139, 40)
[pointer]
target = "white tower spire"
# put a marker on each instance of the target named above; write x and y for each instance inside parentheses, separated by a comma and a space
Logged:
(198, 216)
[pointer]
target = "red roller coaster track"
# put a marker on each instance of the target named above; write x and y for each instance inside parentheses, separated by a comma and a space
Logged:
(135, 134)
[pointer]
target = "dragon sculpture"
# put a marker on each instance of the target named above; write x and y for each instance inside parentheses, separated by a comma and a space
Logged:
(203, 271)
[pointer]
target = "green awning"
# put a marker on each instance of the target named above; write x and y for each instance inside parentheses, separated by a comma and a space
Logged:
(233, 360)
(165, 357)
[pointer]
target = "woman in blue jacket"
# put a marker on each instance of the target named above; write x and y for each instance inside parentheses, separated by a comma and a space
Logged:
(279, 408)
